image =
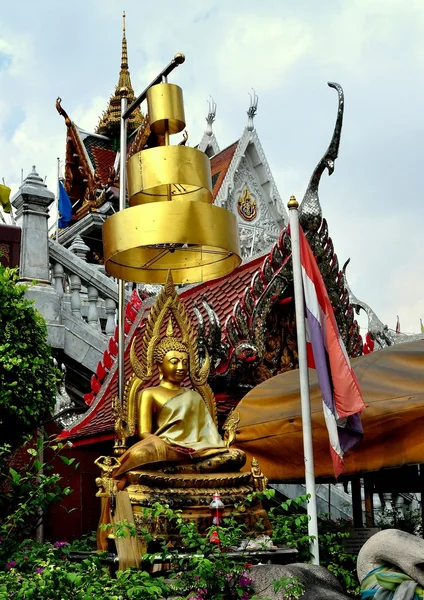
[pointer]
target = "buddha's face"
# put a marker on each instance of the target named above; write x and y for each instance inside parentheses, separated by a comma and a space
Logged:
(174, 366)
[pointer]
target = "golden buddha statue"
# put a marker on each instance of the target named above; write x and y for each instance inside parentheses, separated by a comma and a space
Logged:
(174, 424)
(180, 459)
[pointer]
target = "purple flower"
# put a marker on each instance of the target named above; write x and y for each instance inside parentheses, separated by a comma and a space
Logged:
(39, 569)
(245, 596)
(245, 580)
(60, 544)
(11, 564)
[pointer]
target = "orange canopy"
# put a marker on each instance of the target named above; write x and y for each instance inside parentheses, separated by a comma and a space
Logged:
(392, 385)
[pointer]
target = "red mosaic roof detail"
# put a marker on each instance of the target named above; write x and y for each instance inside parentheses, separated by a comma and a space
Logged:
(219, 167)
(222, 294)
(109, 355)
(104, 159)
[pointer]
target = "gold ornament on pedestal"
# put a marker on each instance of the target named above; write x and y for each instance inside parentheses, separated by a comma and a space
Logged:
(171, 223)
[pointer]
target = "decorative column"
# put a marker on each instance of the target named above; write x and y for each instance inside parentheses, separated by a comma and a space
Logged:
(31, 203)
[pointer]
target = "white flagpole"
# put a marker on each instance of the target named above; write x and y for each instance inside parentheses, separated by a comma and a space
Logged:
(57, 200)
(308, 451)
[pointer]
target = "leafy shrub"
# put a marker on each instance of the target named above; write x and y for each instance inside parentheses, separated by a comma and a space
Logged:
(44, 571)
(28, 487)
(290, 526)
(405, 519)
(27, 374)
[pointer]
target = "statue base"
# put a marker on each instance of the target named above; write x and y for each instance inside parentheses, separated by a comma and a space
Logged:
(191, 494)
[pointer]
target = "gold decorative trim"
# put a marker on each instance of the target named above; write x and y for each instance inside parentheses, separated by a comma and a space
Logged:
(190, 480)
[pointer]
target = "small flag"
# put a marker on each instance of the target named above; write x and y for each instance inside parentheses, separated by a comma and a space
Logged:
(422, 326)
(342, 398)
(5, 198)
(369, 344)
(65, 207)
(398, 325)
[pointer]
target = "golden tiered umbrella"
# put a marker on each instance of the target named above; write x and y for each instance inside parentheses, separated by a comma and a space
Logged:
(171, 223)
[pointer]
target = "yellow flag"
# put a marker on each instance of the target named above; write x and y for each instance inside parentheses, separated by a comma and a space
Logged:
(422, 326)
(5, 198)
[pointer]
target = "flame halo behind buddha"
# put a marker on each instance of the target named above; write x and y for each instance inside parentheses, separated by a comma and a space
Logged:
(175, 423)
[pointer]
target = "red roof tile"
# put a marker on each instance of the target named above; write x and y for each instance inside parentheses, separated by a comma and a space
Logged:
(221, 295)
(104, 159)
(219, 167)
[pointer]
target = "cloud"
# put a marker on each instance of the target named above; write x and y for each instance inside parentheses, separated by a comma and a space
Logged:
(287, 52)
(5, 60)
(251, 42)
(87, 116)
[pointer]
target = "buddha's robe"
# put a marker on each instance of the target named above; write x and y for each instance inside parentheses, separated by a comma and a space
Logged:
(184, 430)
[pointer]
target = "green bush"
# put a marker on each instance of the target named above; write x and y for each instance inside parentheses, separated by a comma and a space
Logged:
(27, 374)
(44, 572)
(27, 489)
(290, 526)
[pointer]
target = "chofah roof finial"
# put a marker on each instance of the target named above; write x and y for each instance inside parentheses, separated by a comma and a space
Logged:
(211, 116)
(253, 109)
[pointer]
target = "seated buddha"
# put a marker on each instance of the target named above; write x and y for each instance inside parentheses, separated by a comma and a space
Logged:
(176, 429)
(179, 459)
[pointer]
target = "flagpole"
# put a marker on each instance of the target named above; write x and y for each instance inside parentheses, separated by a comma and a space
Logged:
(57, 200)
(308, 451)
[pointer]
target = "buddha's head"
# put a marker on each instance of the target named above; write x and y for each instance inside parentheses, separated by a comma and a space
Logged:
(171, 356)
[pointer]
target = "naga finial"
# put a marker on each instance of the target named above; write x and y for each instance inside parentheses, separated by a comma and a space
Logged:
(253, 109)
(310, 213)
(63, 112)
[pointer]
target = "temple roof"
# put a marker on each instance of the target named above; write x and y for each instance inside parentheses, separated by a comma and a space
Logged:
(219, 167)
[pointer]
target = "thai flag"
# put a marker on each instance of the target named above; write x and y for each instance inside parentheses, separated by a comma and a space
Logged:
(65, 207)
(341, 396)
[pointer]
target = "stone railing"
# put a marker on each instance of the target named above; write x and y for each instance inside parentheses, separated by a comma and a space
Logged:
(86, 292)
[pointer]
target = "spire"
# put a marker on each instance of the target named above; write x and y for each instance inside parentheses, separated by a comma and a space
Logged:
(124, 58)
(109, 123)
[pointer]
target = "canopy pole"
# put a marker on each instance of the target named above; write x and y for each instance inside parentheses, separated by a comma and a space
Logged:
(308, 452)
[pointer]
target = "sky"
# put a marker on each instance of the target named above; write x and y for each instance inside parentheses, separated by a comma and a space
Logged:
(287, 51)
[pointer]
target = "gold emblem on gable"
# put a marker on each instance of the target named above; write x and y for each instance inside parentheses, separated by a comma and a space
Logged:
(247, 206)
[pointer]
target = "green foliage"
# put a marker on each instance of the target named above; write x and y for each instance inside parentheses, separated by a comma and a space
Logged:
(405, 519)
(204, 571)
(28, 488)
(291, 586)
(290, 526)
(27, 374)
(121, 529)
(41, 571)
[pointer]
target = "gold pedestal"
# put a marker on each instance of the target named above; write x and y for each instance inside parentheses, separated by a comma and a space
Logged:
(191, 494)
